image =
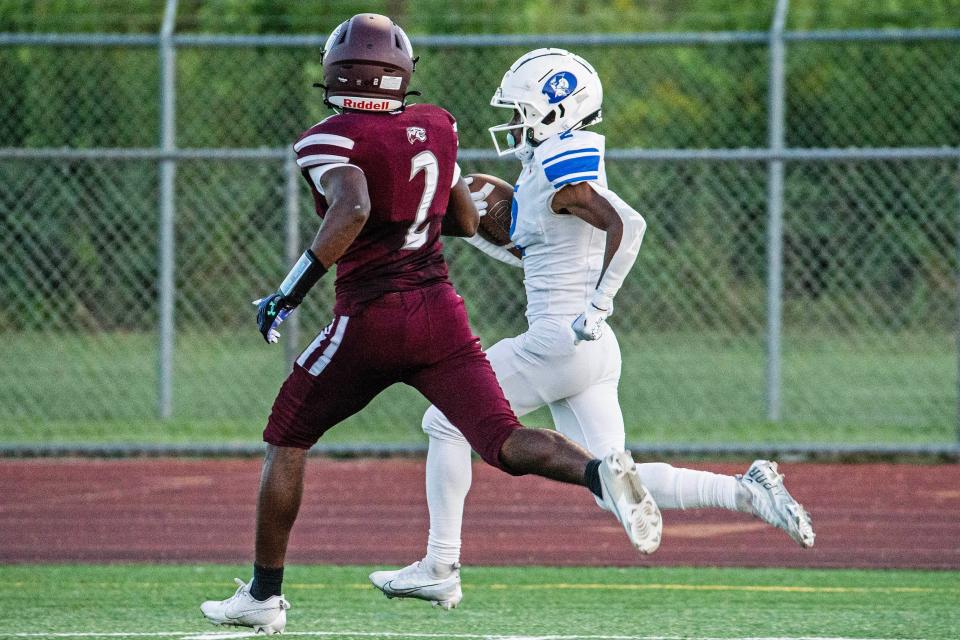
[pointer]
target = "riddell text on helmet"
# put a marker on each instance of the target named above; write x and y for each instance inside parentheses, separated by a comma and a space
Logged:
(369, 105)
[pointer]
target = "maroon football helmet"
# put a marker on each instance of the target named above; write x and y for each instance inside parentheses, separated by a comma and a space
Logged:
(367, 64)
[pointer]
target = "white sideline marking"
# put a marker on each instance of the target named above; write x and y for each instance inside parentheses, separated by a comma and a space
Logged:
(574, 586)
(190, 635)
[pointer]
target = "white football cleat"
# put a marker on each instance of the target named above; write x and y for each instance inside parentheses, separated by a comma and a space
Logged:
(243, 610)
(415, 581)
(772, 503)
(625, 496)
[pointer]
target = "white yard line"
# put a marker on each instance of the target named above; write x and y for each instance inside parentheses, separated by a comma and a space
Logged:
(561, 586)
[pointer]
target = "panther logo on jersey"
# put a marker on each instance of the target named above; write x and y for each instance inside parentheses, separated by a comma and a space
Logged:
(416, 134)
(559, 86)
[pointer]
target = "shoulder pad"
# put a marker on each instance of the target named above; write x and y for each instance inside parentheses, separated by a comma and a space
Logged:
(325, 143)
(432, 109)
(573, 156)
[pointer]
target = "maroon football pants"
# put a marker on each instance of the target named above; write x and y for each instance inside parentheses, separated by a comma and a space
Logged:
(421, 338)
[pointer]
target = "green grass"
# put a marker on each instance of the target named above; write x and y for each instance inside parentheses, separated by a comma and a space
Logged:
(676, 387)
(570, 602)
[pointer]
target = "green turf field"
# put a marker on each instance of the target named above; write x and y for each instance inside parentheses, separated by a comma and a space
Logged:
(565, 604)
(680, 387)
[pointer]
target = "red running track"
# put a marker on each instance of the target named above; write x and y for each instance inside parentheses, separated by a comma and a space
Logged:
(374, 512)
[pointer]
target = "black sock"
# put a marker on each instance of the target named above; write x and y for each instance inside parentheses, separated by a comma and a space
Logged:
(266, 582)
(592, 476)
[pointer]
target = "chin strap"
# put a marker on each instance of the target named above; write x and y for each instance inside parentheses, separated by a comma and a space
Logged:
(327, 103)
(523, 153)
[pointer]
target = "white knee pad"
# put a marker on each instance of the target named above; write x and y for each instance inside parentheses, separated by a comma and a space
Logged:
(436, 425)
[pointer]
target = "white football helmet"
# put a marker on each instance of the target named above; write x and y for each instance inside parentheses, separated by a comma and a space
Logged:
(553, 91)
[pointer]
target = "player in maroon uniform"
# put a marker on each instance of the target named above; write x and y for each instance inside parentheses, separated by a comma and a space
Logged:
(385, 180)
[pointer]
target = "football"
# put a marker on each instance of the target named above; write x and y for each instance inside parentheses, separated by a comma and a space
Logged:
(495, 225)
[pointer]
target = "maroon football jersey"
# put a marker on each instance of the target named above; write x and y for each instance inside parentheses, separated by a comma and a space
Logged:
(409, 160)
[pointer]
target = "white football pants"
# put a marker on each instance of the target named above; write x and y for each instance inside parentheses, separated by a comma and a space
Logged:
(543, 366)
(578, 382)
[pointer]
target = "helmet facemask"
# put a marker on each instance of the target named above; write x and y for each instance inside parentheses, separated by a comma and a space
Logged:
(520, 130)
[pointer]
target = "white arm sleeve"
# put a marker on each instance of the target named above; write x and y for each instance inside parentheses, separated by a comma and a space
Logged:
(634, 227)
(492, 250)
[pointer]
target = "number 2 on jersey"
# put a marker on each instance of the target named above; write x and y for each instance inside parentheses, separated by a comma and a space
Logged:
(427, 162)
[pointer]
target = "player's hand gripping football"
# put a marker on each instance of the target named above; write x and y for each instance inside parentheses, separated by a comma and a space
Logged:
(272, 310)
(589, 324)
(480, 196)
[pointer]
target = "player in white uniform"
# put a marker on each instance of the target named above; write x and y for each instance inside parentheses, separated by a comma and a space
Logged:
(578, 241)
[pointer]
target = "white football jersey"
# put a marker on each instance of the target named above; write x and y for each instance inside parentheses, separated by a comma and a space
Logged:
(562, 254)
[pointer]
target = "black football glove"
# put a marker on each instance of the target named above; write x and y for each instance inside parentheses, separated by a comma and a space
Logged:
(271, 311)
(274, 309)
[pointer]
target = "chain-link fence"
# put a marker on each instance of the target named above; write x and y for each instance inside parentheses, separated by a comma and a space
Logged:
(816, 304)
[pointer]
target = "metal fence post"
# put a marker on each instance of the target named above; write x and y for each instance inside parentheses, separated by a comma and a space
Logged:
(168, 167)
(775, 213)
(292, 248)
(957, 311)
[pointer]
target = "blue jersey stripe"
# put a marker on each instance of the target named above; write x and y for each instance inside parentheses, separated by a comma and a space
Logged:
(514, 209)
(557, 185)
(573, 165)
(567, 153)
